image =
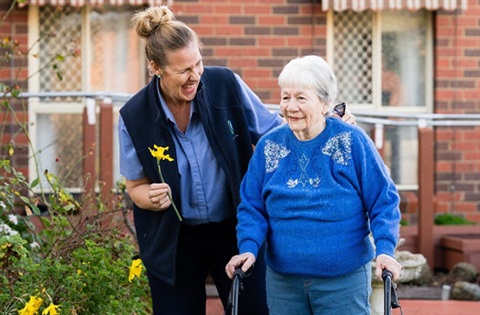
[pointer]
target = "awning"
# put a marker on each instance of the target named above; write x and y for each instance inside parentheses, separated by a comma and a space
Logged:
(81, 3)
(375, 5)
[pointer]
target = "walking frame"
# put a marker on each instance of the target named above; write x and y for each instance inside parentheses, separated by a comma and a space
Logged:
(236, 289)
(390, 293)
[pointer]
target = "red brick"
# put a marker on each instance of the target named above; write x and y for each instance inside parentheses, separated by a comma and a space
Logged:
(229, 51)
(258, 73)
(443, 166)
(229, 30)
(258, 52)
(243, 63)
(213, 19)
(228, 9)
(258, 9)
(204, 30)
(465, 165)
(198, 9)
(271, 20)
(272, 41)
(269, 83)
(465, 207)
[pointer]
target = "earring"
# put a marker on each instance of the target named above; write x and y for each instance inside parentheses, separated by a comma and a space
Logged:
(159, 76)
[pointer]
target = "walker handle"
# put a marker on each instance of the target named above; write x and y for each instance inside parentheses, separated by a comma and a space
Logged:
(387, 277)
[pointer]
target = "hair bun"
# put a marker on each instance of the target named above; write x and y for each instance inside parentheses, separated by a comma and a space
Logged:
(148, 21)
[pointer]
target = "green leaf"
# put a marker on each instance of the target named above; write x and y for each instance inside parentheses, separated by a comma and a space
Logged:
(25, 199)
(35, 209)
(35, 183)
(16, 92)
(59, 76)
(69, 207)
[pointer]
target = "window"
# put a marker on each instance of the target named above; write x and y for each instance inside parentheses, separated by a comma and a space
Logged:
(76, 50)
(383, 63)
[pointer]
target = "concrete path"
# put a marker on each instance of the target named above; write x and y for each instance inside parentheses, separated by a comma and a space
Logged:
(410, 307)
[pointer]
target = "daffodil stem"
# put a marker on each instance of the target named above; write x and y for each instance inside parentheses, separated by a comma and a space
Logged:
(174, 207)
(168, 194)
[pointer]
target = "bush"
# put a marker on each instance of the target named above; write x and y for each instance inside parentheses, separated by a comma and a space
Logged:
(450, 219)
(78, 262)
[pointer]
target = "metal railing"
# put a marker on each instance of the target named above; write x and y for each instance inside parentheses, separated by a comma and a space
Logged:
(409, 119)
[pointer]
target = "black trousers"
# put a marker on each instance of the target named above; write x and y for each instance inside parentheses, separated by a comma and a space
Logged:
(204, 249)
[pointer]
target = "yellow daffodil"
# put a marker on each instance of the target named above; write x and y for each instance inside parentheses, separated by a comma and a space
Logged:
(32, 306)
(135, 269)
(158, 152)
(6, 245)
(51, 309)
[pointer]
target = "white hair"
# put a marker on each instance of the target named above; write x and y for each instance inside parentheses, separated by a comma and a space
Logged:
(310, 72)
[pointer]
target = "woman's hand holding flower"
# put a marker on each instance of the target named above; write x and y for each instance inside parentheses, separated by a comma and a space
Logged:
(158, 196)
(159, 153)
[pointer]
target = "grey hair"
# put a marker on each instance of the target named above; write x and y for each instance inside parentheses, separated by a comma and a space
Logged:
(310, 72)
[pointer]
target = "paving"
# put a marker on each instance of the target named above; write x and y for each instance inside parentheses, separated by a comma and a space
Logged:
(410, 307)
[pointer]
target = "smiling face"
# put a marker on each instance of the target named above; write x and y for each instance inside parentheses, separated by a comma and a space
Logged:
(303, 111)
(180, 78)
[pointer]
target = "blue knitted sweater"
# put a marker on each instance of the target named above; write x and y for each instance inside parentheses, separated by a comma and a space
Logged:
(317, 201)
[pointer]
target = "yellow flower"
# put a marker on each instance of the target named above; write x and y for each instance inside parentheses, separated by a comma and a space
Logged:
(6, 245)
(51, 309)
(135, 269)
(158, 152)
(32, 306)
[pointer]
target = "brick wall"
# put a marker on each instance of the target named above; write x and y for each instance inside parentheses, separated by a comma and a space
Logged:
(457, 91)
(13, 74)
(256, 38)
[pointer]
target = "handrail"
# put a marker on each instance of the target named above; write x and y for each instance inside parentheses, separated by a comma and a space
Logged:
(410, 119)
(368, 117)
(99, 95)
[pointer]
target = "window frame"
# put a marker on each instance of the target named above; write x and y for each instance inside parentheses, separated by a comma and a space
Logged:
(376, 105)
(36, 107)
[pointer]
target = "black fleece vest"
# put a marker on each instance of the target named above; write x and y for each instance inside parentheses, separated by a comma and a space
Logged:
(222, 112)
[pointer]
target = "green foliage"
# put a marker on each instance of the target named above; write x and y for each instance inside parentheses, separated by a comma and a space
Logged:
(451, 219)
(78, 261)
(72, 251)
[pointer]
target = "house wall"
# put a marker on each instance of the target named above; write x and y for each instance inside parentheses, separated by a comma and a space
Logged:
(13, 74)
(257, 38)
(457, 91)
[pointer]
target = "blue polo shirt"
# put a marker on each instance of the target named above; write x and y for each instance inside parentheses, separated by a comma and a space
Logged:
(204, 190)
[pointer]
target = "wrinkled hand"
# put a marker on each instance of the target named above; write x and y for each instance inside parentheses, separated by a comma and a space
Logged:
(158, 196)
(348, 117)
(386, 262)
(245, 260)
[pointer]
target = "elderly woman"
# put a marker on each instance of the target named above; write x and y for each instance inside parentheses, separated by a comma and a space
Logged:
(315, 189)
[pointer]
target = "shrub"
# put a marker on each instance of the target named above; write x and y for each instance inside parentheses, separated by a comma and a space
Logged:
(450, 219)
(76, 260)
